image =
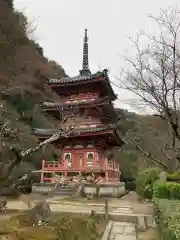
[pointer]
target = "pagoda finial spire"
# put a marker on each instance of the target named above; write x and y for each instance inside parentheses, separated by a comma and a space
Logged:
(85, 66)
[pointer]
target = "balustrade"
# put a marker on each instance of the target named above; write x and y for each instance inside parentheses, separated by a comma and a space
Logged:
(85, 163)
(52, 165)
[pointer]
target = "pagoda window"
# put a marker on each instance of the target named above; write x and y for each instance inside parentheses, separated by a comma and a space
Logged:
(67, 156)
(68, 159)
(110, 163)
(90, 156)
(89, 159)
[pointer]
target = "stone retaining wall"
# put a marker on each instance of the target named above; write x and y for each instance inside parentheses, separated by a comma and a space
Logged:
(109, 190)
(106, 190)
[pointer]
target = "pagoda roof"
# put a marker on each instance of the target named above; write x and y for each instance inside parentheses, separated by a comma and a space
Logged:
(100, 76)
(60, 105)
(78, 78)
(81, 132)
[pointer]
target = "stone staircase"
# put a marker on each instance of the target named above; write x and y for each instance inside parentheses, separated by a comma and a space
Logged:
(124, 224)
(120, 231)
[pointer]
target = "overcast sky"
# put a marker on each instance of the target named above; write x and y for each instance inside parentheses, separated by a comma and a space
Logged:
(61, 23)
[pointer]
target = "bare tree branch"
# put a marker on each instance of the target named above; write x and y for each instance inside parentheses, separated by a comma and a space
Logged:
(154, 76)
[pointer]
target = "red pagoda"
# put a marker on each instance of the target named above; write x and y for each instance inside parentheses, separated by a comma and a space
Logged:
(87, 98)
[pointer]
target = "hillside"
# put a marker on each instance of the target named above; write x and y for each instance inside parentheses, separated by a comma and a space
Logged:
(147, 131)
(23, 69)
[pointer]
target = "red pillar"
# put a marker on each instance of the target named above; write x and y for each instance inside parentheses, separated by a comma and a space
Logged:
(42, 177)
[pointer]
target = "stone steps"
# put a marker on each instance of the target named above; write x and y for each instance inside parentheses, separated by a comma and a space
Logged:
(124, 230)
(120, 231)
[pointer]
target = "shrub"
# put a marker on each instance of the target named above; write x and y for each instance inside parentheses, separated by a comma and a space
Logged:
(175, 177)
(169, 190)
(167, 221)
(145, 181)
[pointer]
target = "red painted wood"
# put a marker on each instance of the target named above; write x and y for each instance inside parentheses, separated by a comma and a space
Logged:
(78, 161)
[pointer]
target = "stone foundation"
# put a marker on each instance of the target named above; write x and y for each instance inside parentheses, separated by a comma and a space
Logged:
(104, 189)
(101, 190)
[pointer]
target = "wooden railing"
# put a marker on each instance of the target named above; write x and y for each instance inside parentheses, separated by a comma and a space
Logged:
(57, 165)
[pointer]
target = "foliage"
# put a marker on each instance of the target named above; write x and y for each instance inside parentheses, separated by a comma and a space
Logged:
(29, 111)
(23, 69)
(167, 218)
(128, 162)
(63, 226)
(57, 67)
(38, 48)
(22, 20)
(146, 131)
(174, 177)
(10, 3)
(168, 190)
(145, 180)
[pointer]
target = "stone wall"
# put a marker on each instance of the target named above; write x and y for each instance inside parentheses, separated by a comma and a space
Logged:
(109, 190)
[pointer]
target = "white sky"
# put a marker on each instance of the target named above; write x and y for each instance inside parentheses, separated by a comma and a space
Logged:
(61, 24)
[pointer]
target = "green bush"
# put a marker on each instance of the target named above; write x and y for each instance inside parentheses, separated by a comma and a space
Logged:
(169, 226)
(173, 176)
(169, 190)
(145, 180)
(174, 228)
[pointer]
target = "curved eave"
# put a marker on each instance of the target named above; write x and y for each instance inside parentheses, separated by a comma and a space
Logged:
(97, 77)
(106, 104)
(60, 106)
(116, 140)
(77, 79)
(113, 95)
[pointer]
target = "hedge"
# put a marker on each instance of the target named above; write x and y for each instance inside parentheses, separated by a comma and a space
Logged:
(168, 190)
(175, 177)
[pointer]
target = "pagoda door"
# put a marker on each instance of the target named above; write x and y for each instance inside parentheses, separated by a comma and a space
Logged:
(78, 160)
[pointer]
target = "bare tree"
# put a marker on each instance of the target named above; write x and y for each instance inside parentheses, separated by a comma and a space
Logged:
(154, 77)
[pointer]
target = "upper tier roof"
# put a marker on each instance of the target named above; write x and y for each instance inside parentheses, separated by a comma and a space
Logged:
(99, 78)
(78, 78)
(66, 108)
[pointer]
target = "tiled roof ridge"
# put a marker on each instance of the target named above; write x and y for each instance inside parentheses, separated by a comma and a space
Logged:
(77, 78)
